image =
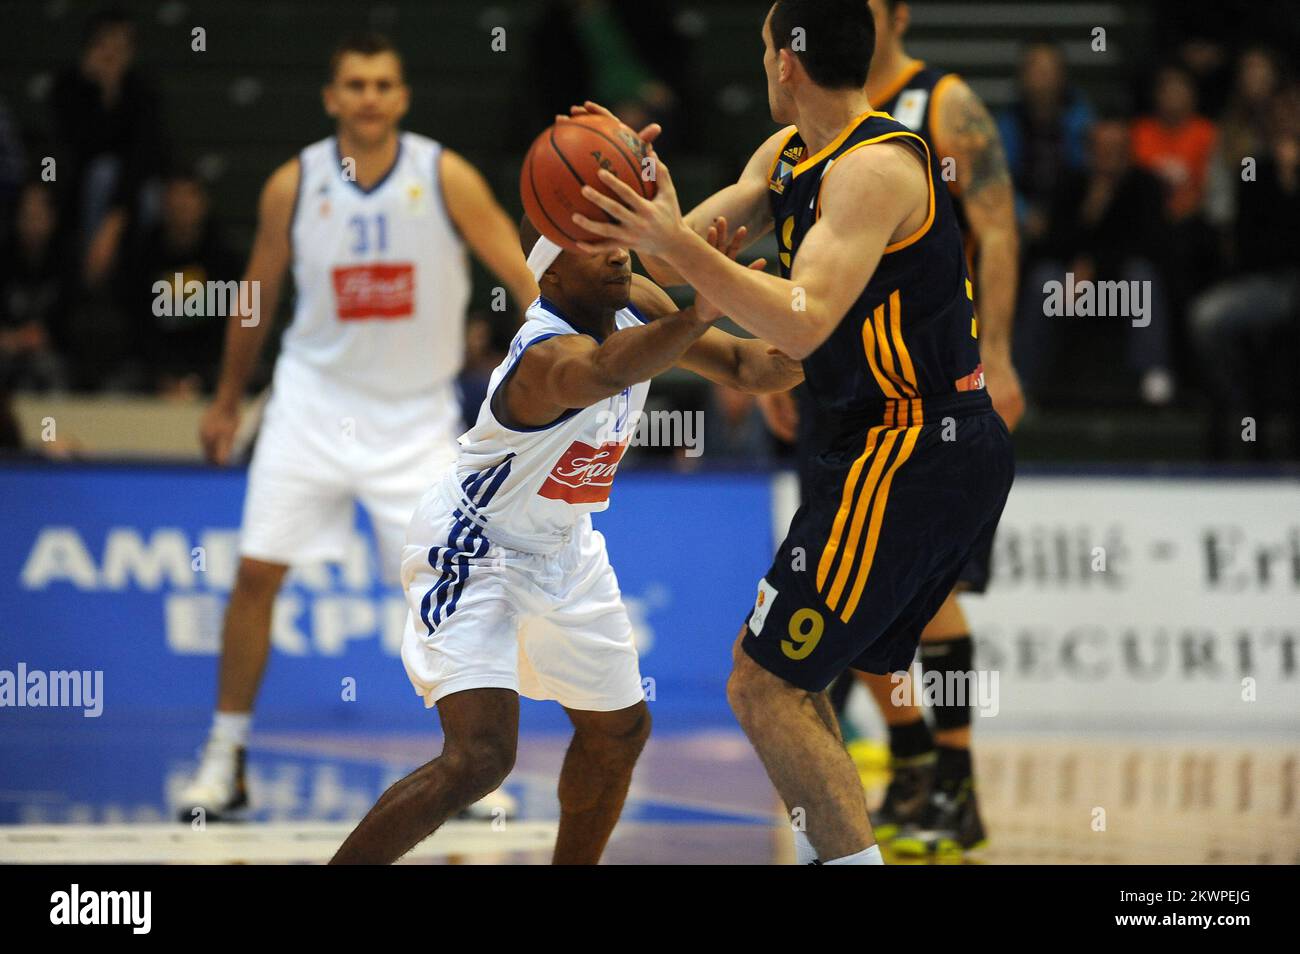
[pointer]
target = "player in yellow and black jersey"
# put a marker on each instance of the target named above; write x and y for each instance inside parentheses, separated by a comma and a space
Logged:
(915, 466)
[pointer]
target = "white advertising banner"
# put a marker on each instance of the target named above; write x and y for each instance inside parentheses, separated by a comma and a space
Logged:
(1145, 603)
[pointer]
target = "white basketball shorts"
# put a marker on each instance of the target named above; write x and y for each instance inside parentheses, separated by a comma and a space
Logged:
(548, 626)
(324, 445)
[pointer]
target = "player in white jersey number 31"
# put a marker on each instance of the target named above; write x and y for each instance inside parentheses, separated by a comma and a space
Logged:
(510, 589)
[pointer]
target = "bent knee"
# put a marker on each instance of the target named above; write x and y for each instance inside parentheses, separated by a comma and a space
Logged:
(481, 764)
(619, 735)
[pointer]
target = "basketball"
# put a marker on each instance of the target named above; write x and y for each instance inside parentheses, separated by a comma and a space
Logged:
(568, 155)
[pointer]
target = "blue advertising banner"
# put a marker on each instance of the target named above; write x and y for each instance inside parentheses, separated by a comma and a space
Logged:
(115, 578)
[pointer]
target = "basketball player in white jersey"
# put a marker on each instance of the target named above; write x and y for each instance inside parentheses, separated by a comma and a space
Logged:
(375, 223)
(510, 588)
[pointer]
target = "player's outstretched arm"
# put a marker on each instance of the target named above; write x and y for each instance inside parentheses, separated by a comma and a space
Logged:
(574, 371)
(745, 364)
(743, 203)
(965, 131)
(488, 231)
(836, 259)
(270, 258)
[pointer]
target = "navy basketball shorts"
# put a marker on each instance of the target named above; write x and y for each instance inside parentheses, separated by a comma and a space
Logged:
(892, 516)
(815, 429)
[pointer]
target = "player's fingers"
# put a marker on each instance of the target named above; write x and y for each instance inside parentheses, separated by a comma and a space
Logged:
(718, 234)
(605, 203)
(621, 189)
(737, 241)
(724, 233)
(663, 178)
(606, 229)
(592, 248)
(650, 133)
(758, 264)
(591, 106)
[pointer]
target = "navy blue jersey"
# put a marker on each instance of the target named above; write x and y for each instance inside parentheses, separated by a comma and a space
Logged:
(911, 100)
(911, 335)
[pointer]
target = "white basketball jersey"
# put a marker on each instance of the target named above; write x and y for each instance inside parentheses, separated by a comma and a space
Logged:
(528, 487)
(381, 273)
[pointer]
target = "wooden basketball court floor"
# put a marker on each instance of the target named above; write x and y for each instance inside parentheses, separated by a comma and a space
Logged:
(698, 797)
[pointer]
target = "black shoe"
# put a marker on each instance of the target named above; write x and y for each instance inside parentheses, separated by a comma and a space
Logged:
(951, 824)
(906, 797)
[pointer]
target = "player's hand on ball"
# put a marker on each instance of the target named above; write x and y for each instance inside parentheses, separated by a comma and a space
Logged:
(591, 108)
(217, 431)
(651, 226)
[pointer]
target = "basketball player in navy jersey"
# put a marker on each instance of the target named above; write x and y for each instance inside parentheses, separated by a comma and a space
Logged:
(914, 466)
(930, 804)
(931, 796)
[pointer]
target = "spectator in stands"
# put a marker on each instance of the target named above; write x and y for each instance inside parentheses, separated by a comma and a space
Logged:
(1044, 133)
(1103, 225)
(1243, 130)
(108, 143)
(178, 355)
(1175, 143)
(1255, 313)
(33, 297)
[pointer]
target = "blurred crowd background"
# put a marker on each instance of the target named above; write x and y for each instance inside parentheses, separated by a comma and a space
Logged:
(1130, 163)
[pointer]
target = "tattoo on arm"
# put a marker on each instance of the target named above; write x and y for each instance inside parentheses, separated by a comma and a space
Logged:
(972, 137)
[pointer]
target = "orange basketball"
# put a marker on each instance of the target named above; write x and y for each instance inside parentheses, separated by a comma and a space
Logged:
(567, 156)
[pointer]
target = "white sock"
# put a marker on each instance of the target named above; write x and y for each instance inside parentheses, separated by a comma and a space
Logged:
(804, 852)
(232, 727)
(867, 856)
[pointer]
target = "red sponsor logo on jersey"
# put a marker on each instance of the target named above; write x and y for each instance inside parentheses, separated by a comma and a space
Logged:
(375, 291)
(973, 381)
(583, 474)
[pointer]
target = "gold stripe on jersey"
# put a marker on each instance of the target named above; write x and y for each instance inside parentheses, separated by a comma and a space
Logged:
(838, 141)
(896, 331)
(886, 357)
(885, 383)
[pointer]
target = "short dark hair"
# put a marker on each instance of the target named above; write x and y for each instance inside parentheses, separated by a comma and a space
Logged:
(528, 234)
(839, 37)
(366, 44)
